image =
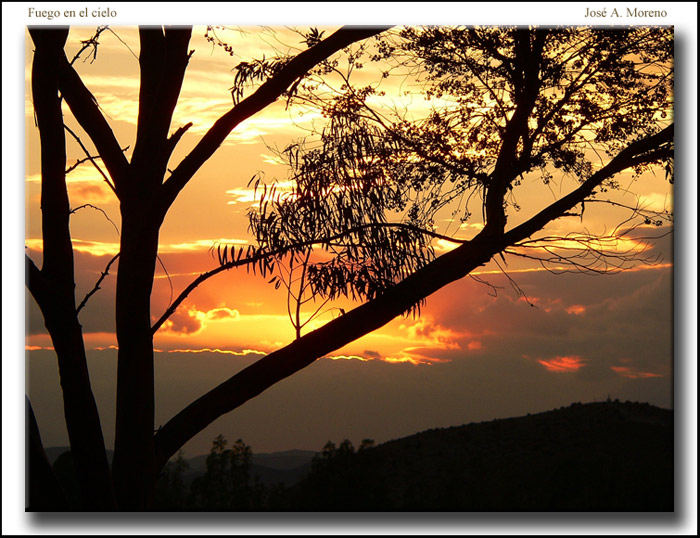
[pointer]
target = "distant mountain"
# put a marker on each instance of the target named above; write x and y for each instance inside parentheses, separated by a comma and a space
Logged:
(285, 467)
(607, 456)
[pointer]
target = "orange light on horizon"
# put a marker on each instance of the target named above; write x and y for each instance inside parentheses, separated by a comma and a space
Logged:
(37, 348)
(416, 361)
(347, 357)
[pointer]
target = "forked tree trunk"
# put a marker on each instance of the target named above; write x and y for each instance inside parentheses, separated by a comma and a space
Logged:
(53, 286)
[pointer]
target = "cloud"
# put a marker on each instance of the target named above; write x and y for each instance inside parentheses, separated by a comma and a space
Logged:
(222, 313)
(188, 321)
(562, 364)
(413, 359)
(633, 373)
(102, 248)
(242, 353)
(582, 324)
(347, 357)
(576, 309)
(199, 244)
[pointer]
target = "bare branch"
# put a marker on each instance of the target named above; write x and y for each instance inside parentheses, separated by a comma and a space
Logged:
(587, 253)
(123, 42)
(494, 288)
(647, 150)
(90, 158)
(167, 276)
(98, 209)
(176, 136)
(92, 42)
(518, 290)
(97, 284)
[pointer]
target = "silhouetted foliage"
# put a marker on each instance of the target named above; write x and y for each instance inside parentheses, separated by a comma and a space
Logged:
(171, 490)
(515, 105)
(227, 484)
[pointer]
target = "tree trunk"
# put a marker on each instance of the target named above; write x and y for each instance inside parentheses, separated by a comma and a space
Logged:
(134, 464)
(44, 492)
(54, 287)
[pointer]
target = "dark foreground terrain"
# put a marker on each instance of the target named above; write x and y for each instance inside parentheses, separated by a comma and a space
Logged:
(608, 456)
(604, 456)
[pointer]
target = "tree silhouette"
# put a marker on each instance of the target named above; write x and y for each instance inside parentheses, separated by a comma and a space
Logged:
(145, 195)
(582, 103)
(227, 484)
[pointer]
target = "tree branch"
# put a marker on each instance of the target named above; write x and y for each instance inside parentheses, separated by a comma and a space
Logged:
(98, 209)
(84, 107)
(263, 96)
(377, 312)
(259, 256)
(35, 281)
(89, 158)
(305, 350)
(646, 150)
(97, 284)
(175, 138)
(163, 60)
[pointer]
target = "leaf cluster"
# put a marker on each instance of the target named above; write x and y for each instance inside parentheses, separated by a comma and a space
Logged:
(255, 71)
(592, 90)
(342, 197)
(508, 103)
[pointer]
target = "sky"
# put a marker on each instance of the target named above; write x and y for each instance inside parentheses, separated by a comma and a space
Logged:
(475, 353)
(472, 355)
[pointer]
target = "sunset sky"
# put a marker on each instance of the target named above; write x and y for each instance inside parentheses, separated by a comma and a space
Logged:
(469, 357)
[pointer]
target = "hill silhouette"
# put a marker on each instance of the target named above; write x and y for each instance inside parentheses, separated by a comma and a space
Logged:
(605, 456)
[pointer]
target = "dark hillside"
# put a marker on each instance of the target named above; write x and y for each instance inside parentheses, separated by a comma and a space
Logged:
(608, 456)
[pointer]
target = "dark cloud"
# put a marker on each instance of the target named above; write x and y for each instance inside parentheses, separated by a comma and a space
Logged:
(98, 313)
(184, 322)
(622, 319)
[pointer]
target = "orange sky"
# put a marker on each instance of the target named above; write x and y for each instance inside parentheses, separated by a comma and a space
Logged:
(570, 332)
